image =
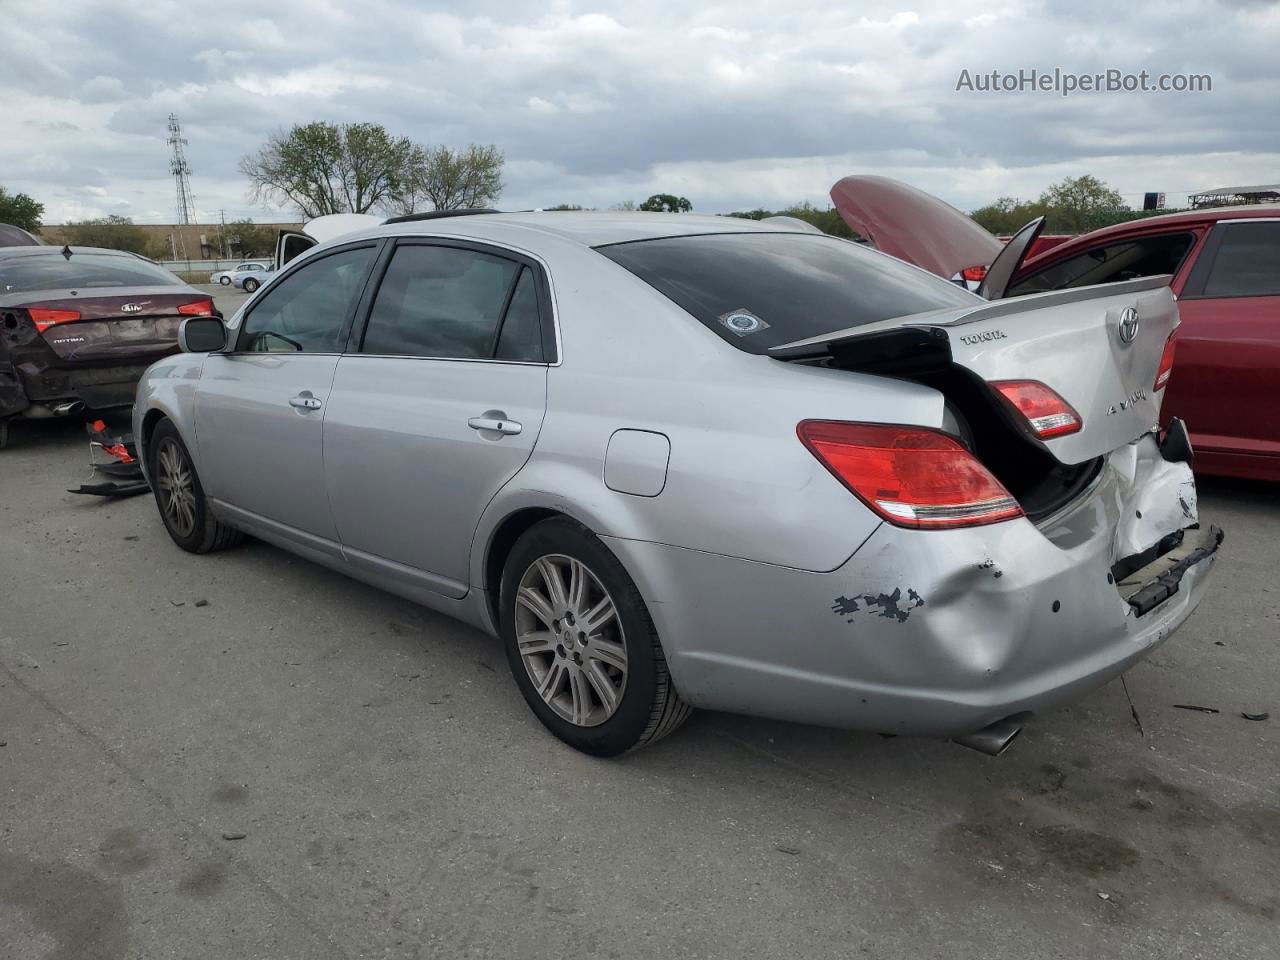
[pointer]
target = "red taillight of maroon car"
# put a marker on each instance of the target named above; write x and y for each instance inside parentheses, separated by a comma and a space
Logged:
(910, 476)
(1165, 370)
(974, 274)
(200, 308)
(44, 319)
(1049, 415)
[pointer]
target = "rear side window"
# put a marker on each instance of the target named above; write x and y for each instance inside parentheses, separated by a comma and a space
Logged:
(450, 303)
(1247, 263)
(521, 336)
(761, 290)
(82, 271)
(1129, 260)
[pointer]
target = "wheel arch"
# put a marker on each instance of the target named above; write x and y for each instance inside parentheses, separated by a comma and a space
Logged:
(498, 548)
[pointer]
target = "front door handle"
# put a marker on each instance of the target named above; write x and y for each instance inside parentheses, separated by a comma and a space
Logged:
(305, 401)
(493, 420)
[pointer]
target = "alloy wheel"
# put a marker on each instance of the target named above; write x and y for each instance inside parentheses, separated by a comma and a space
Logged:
(175, 487)
(571, 640)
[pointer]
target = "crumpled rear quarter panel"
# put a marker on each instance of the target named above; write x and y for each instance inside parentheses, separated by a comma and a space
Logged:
(931, 632)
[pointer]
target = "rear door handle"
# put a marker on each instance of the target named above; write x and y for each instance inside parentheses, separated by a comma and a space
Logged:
(497, 424)
(305, 401)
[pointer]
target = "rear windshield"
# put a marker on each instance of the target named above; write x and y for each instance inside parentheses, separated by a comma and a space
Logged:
(52, 271)
(761, 290)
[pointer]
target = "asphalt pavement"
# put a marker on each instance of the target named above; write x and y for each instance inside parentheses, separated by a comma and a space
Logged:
(246, 755)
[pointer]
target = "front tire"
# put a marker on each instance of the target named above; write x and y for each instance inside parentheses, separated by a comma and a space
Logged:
(225, 281)
(581, 645)
(180, 497)
(250, 285)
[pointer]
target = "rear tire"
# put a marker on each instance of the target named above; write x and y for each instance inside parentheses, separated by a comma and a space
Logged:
(180, 497)
(250, 285)
(4, 434)
(581, 645)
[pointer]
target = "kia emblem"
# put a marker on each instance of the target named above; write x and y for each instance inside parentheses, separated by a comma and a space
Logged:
(131, 308)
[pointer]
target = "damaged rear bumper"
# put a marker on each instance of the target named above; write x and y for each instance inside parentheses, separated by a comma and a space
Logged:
(113, 459)
(939, 633)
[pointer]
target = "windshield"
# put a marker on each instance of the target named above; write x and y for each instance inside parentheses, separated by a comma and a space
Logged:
(81, 272)
(761, 290)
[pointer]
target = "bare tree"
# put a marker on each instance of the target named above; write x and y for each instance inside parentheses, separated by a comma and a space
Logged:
(323, 168)
(444, 179)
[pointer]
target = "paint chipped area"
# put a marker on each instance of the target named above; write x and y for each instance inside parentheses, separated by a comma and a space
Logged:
(990, 564)
(892, 605)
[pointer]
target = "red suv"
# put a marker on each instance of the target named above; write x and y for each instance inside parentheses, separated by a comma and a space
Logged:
(1225, 270)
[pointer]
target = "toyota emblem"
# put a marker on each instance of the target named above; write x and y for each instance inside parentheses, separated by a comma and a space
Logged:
(1128, 325)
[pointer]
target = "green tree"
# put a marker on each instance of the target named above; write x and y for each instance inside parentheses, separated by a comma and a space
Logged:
(1006, 215)
(1078, 204)
(323, 168)
(449, 179)
(828, 221)
(20, 210)
(113, 232)
(666, 203)
(249, 239)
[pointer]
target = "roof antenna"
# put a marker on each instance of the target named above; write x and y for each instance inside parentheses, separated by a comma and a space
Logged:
(66, 251)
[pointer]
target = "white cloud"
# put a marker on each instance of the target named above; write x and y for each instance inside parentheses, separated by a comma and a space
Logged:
(735, 105)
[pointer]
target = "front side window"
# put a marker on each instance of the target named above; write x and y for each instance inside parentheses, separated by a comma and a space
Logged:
(308, 311)
(762, 290)
(449, 303)
(1127, 260)
(1247, 263)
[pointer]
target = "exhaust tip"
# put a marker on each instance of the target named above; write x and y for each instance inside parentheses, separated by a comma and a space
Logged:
(63, 409)
(995, 738)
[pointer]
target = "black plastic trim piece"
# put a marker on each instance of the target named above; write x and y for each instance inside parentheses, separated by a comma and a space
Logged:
(439, 214)
(1156, 591)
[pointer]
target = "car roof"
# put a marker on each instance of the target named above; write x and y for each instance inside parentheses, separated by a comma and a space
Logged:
(1145, 225)
(589, 228)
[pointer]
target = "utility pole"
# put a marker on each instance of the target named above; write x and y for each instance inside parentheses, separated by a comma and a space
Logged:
(181, 170)
(226, 243)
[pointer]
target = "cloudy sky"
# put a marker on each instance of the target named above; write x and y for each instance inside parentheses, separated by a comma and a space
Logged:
(734, 105)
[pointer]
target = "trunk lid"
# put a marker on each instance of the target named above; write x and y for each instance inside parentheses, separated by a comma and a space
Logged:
(1073, 341)
(292, 243)
(143, 322)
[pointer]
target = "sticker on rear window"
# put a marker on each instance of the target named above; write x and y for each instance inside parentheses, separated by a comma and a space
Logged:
(743, 322)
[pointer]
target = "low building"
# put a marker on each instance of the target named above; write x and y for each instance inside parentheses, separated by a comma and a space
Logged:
(1234, 196)
(188, 241)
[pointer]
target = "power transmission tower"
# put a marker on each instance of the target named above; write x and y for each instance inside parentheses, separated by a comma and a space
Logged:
(181, 171)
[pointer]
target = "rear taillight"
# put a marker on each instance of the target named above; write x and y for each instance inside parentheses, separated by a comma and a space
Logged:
(201, 308)
(1166, 364)
(119, 451)
(44, 319)
(910, 476)
(1049, 415)
(974, 274)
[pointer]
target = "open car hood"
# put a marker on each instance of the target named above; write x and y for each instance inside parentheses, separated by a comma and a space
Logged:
(913, 225)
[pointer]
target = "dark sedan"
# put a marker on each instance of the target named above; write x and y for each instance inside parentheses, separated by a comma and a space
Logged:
(79, 325)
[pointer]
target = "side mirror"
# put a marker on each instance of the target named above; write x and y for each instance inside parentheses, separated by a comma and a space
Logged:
(201, 335)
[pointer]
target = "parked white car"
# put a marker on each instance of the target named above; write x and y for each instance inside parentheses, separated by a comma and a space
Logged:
(239, 271)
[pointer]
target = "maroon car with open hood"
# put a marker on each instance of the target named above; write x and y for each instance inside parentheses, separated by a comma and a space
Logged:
(79, 325)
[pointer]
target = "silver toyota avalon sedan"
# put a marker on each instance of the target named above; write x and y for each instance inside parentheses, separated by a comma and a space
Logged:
(675, 461)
